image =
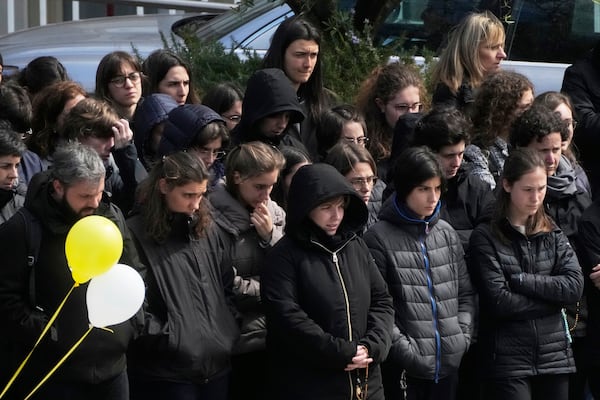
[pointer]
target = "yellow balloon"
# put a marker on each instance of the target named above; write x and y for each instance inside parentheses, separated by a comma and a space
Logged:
(94, 244)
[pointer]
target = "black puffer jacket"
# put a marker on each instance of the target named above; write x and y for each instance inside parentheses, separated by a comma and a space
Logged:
(242, 242)
(523, 284)
(422, 262)
(190, 328)
(101, 356)
(375, 203)
(323, 296)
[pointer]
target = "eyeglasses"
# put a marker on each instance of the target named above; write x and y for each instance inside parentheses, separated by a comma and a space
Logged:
(570, 121)
(233, 118)
(414, 107)
(360, 182)
(217, 154)
(119, 80)
(358, 140)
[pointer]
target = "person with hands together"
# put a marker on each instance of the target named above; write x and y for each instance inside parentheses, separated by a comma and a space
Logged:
(250, 222)
(526, 273)
(329, 314)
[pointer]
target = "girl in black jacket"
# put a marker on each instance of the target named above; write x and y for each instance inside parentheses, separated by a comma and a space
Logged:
(190, 329)
(329, 315)
(526, 272)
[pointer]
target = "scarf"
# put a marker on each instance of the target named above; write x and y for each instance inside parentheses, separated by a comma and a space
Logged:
(562, 183)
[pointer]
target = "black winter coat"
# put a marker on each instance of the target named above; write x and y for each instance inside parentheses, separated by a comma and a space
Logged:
(422, 262)
(589, 251)
(323, 296)
(465, 204)
(463, 99)
(269, 92)
(102, 355)
(190, 327)
(523, 284)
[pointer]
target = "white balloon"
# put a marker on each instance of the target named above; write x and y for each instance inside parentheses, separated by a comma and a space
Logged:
(114, 296)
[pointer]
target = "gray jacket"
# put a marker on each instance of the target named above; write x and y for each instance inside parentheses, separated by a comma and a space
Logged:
(423, 264)
(247, 255)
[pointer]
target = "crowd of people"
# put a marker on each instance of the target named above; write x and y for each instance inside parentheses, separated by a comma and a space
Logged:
(410, 245)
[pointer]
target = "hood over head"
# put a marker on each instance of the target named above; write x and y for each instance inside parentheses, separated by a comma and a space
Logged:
(153, 110)
(182, 126)
(313, 185)
(269, 91)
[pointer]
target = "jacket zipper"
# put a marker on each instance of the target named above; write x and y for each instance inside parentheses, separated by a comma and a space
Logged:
(434, 311)
(335, 260)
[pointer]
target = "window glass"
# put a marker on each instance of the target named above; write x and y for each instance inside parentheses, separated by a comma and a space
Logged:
(537, 30)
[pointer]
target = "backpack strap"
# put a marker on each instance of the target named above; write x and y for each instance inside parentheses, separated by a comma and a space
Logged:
(33, 237)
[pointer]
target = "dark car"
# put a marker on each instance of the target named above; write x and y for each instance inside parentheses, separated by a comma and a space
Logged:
(543, 36)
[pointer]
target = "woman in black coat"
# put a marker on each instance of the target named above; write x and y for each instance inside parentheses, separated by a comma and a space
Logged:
(190, 328)
(329, 315)
(525, 272)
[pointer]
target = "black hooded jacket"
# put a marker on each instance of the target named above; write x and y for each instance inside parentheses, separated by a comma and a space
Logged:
(268, 92)
(101, 356)
(323, 296)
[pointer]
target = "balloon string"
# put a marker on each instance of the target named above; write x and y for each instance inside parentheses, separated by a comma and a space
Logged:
(46, 329)
(62, 360)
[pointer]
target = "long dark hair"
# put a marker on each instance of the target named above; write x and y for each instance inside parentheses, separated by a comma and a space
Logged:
(331, 125)
(158, 64)
(290, 30)
(521, 161)
(41, 72)
(222, 96)
(345, 156)
(48, 106)
(177, 169)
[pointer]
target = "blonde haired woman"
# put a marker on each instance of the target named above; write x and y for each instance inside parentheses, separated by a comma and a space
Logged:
(475, 49)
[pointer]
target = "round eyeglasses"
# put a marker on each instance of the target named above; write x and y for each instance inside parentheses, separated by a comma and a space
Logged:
(119, 80)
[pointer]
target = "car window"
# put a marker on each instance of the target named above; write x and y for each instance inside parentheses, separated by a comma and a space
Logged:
(537, 30)
(234, 27)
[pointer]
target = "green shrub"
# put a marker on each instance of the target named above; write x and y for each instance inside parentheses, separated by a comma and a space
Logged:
(348, 58)
(211, 63)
